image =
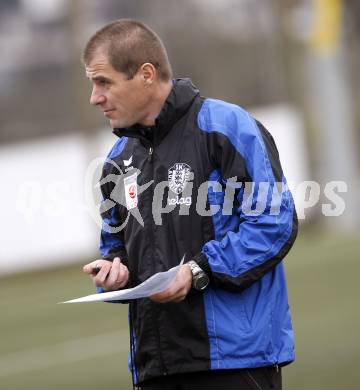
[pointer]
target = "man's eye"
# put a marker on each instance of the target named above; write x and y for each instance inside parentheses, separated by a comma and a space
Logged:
(101, 82)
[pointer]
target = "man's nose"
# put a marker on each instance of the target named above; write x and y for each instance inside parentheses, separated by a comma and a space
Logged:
(96, 97)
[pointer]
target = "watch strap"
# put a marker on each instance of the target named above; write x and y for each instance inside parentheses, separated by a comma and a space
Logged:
(203, 263)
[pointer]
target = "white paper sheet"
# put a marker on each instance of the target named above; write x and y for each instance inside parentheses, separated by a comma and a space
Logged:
(155, 284)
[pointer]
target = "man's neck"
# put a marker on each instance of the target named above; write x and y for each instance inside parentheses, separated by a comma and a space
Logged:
(157, 101)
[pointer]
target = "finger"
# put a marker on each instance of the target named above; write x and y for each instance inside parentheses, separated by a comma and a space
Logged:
(157, 297)
(113, 275)
(100, 278)
(179, 298)
(89, 268)
(94, 266)
(170, 298)
(175, 293)
(180, 295)
(123, 276)
(164, 296)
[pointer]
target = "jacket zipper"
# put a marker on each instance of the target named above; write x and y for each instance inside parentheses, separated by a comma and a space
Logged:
(154, 315)
(150, 156)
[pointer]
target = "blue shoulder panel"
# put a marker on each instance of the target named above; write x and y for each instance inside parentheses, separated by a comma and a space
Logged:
(241, 130)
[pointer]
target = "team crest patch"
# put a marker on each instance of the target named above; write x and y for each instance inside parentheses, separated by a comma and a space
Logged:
(131, 191)
(179, 175)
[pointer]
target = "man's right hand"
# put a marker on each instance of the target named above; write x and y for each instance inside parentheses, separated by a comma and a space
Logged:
(109, 275)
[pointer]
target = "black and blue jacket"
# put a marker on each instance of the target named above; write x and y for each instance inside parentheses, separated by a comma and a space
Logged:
(242, 319)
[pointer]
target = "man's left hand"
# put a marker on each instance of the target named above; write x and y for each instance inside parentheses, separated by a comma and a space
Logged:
(178, 289)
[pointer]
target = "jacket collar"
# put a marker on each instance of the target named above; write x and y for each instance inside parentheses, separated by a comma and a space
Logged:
(182, 94)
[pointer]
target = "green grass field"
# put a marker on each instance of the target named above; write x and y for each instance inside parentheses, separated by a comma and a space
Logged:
(49, 346)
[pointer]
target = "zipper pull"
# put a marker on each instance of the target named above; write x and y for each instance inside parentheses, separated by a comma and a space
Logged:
(150, 153)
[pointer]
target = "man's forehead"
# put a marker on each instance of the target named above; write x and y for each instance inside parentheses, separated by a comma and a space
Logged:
(98, 63)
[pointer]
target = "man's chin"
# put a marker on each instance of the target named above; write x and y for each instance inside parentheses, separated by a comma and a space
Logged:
(116, 124)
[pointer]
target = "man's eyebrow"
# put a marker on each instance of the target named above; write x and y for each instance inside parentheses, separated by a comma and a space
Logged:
(98, 78)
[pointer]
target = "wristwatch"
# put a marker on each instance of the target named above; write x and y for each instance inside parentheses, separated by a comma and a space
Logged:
(199, 278)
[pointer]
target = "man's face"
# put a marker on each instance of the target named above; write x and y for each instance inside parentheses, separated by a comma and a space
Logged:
(123, 101)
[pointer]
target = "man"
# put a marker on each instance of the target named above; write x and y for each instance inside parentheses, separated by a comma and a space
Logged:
(225, 319)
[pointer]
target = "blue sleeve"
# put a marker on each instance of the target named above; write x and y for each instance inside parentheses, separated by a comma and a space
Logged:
(111, 237)
(264, 222)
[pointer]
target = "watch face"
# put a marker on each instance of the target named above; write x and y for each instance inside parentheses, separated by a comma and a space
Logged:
(201, 281)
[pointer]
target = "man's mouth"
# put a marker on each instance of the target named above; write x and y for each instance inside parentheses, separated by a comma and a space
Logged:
(108, 112)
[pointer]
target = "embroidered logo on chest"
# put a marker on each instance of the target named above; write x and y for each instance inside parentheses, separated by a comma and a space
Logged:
(179, 175)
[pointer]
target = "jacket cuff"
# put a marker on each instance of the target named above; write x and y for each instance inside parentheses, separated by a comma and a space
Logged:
(203, 263)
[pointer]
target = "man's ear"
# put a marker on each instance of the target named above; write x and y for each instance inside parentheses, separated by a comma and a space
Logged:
(148, 73)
